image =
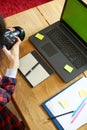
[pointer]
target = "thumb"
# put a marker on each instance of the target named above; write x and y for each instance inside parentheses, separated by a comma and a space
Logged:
(5, 50)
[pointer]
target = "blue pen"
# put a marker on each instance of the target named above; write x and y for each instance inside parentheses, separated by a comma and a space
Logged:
(82, 103)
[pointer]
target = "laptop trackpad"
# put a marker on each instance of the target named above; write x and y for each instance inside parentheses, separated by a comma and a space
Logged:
(49, 49)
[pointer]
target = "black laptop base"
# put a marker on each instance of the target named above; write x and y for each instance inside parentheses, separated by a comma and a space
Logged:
(66, 69)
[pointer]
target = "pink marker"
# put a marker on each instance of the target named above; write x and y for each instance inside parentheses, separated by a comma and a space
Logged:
(78, 113)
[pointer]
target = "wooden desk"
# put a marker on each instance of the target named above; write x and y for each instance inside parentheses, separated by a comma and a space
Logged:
(26, 99)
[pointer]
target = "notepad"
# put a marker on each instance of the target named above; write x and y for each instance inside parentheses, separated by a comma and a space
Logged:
(68, 68)
(39, 36)
(34, 68)
(72, 96)
(83, 93)
(64, 103)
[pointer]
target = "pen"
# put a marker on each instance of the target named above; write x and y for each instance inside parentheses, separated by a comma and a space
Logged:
(78, 113)
(32, 69)
(82, 103)
(60, 115)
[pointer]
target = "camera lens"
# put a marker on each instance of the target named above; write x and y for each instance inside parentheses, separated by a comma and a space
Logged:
(20, 32)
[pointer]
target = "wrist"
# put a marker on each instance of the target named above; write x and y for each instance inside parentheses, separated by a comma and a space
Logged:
(14, 65)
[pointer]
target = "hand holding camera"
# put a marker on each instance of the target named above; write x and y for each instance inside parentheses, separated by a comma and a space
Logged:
(13, 54)
(10, 37)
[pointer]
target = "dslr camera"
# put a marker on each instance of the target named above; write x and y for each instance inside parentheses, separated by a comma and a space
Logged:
(9, 37)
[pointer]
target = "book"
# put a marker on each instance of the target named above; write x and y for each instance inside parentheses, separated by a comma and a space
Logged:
(62, 107)
(34, 68)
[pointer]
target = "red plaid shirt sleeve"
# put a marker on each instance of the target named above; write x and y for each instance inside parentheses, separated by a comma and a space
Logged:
(7, 87)
(8, 121)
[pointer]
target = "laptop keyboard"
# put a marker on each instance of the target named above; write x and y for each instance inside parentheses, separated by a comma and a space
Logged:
(67, 47)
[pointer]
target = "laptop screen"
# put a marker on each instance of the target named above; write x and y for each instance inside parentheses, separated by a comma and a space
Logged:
(75, 15)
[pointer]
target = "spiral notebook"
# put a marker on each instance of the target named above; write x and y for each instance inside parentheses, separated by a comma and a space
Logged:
(34, 68)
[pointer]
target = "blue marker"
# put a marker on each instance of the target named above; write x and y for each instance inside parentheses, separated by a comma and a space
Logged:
(82, 103)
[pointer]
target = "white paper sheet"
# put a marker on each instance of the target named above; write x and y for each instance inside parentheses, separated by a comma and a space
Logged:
(71, 94)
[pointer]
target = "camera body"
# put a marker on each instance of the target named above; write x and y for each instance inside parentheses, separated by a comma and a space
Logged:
(9, 37)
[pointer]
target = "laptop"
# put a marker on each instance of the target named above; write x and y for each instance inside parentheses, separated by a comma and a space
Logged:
(64, 43)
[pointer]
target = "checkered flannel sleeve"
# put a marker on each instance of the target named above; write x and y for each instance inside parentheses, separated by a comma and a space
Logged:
(7, 87)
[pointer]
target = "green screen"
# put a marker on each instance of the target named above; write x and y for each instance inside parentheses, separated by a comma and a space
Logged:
(75, 15)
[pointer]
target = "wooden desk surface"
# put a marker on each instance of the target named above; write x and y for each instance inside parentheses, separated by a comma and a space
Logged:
(28, 100)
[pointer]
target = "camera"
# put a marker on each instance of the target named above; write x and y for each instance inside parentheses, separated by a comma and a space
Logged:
(9, 37)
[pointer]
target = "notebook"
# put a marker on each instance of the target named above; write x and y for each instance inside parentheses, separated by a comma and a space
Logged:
(60, 106)
(64, 43)
(34, 68)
